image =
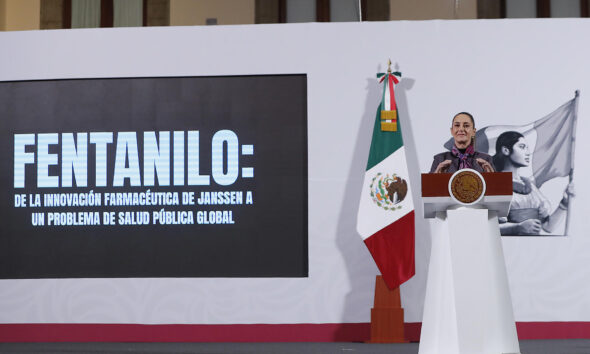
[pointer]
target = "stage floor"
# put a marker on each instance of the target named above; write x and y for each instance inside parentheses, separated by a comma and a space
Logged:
(569, 346)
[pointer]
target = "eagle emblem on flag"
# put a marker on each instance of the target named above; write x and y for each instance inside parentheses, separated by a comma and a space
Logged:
(387, 191)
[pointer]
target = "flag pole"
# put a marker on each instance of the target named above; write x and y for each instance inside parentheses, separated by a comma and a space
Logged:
(360, 11)
(571, 174)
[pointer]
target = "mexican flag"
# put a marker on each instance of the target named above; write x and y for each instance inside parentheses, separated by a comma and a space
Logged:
(386, 212)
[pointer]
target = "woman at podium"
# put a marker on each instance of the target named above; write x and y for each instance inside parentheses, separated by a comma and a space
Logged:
(463, 154)
(530, 211)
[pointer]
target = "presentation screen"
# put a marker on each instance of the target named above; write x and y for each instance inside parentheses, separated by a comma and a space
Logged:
(154, 177)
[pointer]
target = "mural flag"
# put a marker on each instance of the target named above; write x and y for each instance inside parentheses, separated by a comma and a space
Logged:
(385, 219)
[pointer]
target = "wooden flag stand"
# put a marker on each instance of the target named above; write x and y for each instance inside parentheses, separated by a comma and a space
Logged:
(387, 315)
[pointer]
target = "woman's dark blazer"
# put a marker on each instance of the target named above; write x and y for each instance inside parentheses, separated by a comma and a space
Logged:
(438, 158)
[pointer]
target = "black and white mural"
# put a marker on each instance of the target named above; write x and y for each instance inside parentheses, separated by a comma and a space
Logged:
(540, 156)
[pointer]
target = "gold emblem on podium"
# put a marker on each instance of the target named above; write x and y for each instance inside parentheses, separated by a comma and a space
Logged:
(467, 186)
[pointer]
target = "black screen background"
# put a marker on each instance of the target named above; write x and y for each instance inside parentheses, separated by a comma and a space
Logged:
(269, 238)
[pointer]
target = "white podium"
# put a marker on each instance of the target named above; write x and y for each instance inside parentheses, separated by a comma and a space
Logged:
(467, 309)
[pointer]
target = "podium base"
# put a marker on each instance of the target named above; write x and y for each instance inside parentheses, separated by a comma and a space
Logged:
(467, 307)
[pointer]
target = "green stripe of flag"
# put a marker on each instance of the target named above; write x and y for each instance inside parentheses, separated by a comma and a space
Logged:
(383, 144)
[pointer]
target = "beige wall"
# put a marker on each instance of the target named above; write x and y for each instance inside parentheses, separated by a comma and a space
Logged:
(432, 9)
(195, 12)
(20, 15)
(2, 15)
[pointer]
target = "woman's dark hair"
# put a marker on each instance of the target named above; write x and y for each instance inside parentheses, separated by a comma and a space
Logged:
(465, 113)
(506, 139)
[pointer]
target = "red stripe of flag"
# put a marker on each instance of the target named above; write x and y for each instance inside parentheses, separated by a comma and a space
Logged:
(393, 250)
(391, 94)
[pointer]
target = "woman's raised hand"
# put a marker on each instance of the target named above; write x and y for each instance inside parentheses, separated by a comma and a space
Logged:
(567, 194)
(485, 165)
(442, 167)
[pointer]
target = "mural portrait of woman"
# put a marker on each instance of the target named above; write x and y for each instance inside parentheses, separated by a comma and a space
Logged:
(531, 212)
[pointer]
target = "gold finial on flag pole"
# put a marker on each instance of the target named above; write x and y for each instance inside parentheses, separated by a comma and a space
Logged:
(389, 66)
